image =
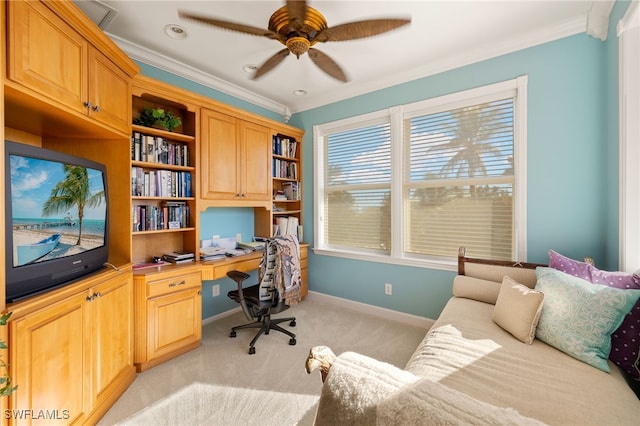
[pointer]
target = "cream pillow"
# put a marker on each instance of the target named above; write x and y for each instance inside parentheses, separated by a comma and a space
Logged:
(518, 309)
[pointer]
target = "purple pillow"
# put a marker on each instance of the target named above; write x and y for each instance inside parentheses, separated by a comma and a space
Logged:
(625, 341)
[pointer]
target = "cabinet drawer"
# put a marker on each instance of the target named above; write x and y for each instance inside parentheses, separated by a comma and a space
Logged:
(173, 284)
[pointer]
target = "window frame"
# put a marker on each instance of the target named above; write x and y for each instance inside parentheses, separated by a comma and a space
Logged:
(396, 115)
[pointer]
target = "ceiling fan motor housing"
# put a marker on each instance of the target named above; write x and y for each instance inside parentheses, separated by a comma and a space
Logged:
(298, 36)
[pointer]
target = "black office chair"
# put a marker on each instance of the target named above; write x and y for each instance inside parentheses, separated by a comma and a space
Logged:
(261, 300)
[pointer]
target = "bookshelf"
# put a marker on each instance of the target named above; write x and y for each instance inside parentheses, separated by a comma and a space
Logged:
(163, 175)
(286, 173)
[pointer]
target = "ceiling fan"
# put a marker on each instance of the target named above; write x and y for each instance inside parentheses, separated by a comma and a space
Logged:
(299, 27)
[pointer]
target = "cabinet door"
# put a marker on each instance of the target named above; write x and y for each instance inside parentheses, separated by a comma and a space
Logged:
(255, 161)
(219, 157)
(46, 55)
(109, 92)
(49, 362)
(175, 321)
(111, 325)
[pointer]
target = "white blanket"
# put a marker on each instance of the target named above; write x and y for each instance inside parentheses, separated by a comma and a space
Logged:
(363, 391)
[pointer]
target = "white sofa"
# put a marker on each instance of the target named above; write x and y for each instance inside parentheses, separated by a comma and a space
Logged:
(470, 370)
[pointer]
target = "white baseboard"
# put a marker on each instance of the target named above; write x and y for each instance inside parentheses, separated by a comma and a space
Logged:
(385, 313)
(389, 314)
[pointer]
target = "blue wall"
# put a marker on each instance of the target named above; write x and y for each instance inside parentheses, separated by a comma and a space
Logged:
(572, 180)
(572, 167)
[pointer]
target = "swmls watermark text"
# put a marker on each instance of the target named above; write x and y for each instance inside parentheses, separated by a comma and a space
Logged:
(26, 414)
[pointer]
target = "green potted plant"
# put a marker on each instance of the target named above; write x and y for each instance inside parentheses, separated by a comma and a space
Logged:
(6, 388)
(158, 117)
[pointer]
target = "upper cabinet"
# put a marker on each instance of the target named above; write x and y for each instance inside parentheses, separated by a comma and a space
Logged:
(235, 156)
(56, 58)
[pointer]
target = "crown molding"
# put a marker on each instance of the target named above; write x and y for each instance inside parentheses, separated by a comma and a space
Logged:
(598, 19)
(471, 56)
(180, 69)
(534, 38)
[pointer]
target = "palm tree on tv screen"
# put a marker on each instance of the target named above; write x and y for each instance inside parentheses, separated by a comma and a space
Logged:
(74, 190)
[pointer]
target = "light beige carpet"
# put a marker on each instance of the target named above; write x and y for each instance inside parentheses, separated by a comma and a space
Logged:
(212, 405)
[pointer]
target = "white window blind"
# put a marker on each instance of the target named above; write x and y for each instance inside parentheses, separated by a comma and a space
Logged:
(459, 181)
(357, 207)
(411, 184)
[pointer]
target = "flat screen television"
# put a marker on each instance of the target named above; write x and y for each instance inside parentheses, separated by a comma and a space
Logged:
(56, 216)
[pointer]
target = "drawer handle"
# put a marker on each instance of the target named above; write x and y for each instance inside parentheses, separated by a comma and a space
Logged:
(183, 282)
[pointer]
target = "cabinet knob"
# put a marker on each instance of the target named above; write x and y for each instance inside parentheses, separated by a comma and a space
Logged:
(87, 104)
(96, 108)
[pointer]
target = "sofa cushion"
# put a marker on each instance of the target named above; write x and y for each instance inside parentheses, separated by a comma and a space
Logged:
(476, 289)
(578, 318)
(625, 340)
(518, 310)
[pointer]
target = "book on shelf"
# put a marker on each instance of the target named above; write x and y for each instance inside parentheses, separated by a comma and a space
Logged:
(288, 225)
(160, 183)
(156, 149)
(178, 261)
(290, 190)
(179, 257)
(284, 146)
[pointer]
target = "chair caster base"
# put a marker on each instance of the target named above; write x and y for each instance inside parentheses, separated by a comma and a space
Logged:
(292, 323)
(292, 341)
(252, 350)
(232, 334)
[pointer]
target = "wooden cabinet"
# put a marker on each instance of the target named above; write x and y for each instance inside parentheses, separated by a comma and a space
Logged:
(168, 314)
(236, 156)
(164, 217)
(73, 355)
(51, 61)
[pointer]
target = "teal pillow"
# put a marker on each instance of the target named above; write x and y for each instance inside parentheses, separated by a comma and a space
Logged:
(578, 317)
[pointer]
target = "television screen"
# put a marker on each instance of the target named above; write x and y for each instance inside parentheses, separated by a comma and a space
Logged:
(57, 227)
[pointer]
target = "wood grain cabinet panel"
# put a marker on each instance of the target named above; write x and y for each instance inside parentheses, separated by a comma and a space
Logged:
(235, 160)
(54, 63)
(72, 358)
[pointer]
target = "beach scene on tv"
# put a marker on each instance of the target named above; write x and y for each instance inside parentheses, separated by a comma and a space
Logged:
(57, 209)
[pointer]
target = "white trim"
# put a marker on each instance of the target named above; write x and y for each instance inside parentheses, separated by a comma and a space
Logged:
(598, 18)
(628, 31)
(180, 69)
(377, 311)
(520, 163)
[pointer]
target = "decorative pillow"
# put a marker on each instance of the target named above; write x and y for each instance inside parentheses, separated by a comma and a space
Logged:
(578, 318)
(625, 341)
(518, 310)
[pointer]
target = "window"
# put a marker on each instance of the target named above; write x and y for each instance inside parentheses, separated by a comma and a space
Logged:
(413, 183)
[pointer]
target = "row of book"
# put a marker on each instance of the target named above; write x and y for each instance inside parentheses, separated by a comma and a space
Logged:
(160, 183)
(169, 215)
(284, 146)
(285, 169)
(156, 149)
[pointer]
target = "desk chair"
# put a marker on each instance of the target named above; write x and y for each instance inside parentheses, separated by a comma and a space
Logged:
(279, 273)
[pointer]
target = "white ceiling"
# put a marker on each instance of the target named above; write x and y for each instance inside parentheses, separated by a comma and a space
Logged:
(442, 35)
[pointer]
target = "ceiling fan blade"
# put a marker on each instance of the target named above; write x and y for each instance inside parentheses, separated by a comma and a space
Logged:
(233, 26)
(297, 11)
(271, 63)
(328, 65)
(360, 29)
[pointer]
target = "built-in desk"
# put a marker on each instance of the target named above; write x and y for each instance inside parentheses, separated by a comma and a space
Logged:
(164, 293)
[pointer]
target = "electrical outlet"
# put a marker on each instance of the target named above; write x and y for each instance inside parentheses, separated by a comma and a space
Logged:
(216, 290)
(238, 238)
(388, 289)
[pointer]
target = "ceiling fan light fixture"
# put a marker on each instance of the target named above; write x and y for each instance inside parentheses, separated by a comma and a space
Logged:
(176, 31)
(298, 45)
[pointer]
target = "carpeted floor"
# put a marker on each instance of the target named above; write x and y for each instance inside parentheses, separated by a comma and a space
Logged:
(276, 368)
